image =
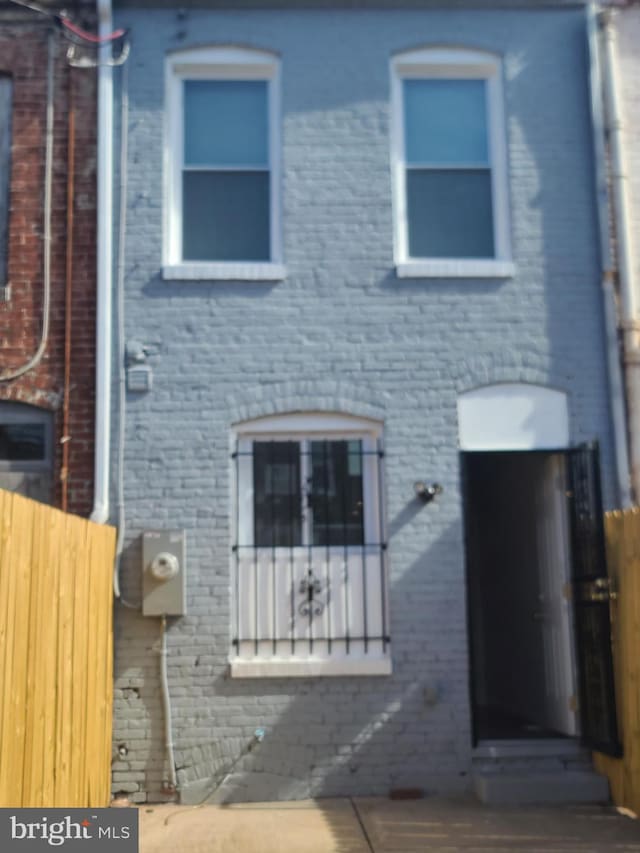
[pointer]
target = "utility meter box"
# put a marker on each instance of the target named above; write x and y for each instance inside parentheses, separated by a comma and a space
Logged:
(163, 573)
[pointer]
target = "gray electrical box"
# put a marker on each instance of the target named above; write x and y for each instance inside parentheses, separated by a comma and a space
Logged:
(163, 573)
(139, 378)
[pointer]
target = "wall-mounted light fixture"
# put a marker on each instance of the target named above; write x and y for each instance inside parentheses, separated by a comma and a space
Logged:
(426, 492)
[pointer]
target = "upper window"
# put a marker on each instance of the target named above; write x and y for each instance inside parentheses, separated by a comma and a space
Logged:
(449, 164)
(5, 172)
(309, 553)
(222, 162)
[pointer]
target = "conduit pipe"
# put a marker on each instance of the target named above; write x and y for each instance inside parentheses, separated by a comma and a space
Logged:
(166, 702)
(616, 385)
(627, 286)
(102, 439)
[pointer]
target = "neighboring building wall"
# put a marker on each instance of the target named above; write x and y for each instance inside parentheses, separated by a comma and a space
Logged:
(342, 333)
(628, 38)
(23, 55)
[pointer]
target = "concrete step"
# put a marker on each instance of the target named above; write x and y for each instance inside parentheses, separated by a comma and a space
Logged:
(520, 758)
(559, 748)
(584, 786)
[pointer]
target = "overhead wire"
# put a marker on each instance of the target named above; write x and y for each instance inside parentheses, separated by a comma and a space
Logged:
(71, 29)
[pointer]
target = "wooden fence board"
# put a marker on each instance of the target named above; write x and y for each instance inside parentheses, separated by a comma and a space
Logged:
(11, 672)
(623, 554)
(81, 617)
(55, 656)
(92, 733)
(64, 673)
(34, 709)
(20, 699)
(55, 552)
(106, 654)
(5, 578)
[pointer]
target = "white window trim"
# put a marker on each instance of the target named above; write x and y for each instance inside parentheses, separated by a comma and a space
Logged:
(300, 427)
(218, 63)
(309, 668)
(452, 63)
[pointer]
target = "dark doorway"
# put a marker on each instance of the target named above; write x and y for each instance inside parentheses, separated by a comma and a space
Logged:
(518, 570)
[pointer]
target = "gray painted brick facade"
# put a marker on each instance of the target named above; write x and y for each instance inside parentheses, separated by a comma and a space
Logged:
(342, 333)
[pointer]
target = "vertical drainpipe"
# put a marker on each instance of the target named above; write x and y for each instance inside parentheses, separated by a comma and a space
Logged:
(100, 512)
(616, 385)
(628, 289)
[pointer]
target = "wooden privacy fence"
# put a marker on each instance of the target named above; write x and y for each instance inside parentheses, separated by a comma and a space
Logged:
(55, 656)
(622, 531)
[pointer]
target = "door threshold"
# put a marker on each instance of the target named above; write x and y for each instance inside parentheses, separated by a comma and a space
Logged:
(524, 748)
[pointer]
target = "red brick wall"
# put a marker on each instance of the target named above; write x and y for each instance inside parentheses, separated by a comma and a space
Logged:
(23, 54)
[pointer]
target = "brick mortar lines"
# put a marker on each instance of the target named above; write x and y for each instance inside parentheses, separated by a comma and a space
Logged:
(23, 55)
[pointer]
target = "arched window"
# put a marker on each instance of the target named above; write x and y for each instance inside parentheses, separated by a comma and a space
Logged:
(449, 162)
(26, 456)
(222, 165)
(309, 554)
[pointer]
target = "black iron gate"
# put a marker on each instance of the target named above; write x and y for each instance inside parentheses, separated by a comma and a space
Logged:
(591, 595)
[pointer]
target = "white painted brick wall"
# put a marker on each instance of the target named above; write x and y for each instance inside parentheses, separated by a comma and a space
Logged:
(342, 333)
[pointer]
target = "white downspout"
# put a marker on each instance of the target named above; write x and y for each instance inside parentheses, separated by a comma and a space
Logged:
(616, 386)
(100, 512)
(627, 287)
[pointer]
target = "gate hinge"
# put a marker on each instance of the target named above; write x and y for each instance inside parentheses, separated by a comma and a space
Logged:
(573, 704)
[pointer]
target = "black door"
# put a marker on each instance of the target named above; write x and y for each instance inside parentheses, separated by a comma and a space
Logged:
(591, 603)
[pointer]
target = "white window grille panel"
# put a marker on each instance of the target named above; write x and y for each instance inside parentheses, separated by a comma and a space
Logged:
(345, 615)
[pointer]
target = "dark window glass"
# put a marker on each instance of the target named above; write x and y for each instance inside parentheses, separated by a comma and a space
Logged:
(450, 213)
(336, 493)
(277, 494)
(226, 216)
(22, 442)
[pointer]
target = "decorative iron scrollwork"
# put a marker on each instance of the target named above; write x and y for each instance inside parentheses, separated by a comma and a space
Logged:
(311, 587)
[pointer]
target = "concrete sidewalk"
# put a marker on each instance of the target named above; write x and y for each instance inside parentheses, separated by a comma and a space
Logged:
(367, 825)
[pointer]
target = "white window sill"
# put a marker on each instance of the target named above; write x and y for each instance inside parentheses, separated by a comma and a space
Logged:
(472, 268)
(309, 668)
(224, 271)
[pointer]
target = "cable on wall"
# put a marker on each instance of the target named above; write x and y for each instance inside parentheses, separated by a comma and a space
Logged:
(166, 702)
